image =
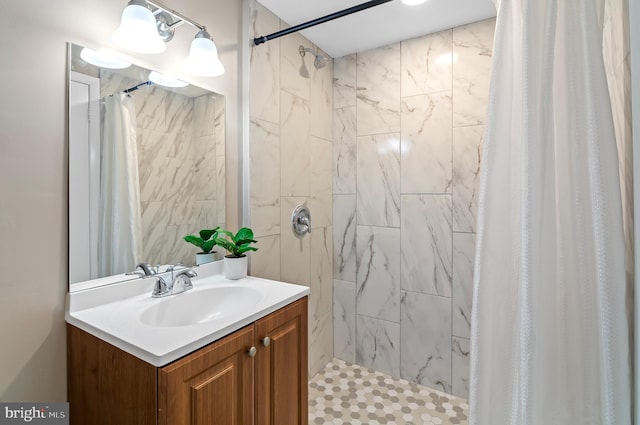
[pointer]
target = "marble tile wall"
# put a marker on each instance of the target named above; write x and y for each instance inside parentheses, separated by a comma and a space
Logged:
(291, 131)
(408, 123)
(181, 162)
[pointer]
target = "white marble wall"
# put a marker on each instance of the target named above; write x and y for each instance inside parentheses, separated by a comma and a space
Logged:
(181, 160)
(407, 133)
(290, 164)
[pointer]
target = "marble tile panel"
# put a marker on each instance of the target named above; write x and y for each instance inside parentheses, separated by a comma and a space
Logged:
(321, 101)
(378, 344)
(154, 221)
(344, 237)
(221, 170)
(179, 177)
(460, 366)
(182, 210)
(205, 177)
(206, 215)
(320, 343)
(378, 90)
(292, 66)
(181, 144)
(426, 143)
(426, 64)
(378, 180)
(467, 157)
(378, 272)
(264, 67)
(153, 179)
(426, 244)
(344, 320)
(426, 323)
(321, 270)
(153, 148)
(204, 112)
(344, 81)
(150, 107)
(203, 145)
(264, 179)
(463, 263)
(472, 50)
(176, 250)
(295, 145)
(179, 113)
(320, 299)
(265, 262)
(294, 252)
(321, 200)
(344, 150)
(220, 125)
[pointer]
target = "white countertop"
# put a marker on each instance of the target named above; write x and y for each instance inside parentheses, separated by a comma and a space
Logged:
(113, 313)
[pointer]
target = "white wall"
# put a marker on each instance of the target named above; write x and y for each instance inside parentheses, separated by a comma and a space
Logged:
(33, 166)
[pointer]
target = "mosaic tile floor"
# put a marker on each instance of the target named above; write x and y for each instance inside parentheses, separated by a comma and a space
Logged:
(344, 393)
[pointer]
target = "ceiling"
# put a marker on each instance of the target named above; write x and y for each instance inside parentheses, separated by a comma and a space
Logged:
(378, 26)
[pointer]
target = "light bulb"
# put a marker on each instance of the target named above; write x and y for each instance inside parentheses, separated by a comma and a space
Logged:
(103, 59)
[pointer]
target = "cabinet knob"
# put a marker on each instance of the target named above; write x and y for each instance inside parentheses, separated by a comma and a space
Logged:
(252, 351)
(266, 341)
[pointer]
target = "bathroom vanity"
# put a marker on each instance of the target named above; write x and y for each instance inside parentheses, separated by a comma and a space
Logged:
(139, 360)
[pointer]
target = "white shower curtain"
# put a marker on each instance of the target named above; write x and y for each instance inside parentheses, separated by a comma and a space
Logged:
(549, 331)
(119, 234)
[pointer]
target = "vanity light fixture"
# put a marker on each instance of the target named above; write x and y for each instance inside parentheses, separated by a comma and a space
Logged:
(413, 2)
(203, 56)
(138, 31)
(135, 33)
(103, 59)
(166, 80)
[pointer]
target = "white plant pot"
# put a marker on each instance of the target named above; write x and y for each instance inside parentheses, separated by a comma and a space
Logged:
(202, 258)
(235, 267)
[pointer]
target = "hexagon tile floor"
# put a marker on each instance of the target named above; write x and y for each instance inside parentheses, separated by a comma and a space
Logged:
(345, 393)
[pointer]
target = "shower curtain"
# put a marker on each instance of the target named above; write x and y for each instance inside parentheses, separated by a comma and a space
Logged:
(119, 234)
(549, 330)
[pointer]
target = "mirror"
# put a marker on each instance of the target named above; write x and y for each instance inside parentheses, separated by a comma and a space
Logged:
(146, 168)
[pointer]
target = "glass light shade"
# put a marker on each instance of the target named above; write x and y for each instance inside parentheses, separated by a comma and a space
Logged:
(103, 59)
(137, 31)
(166, 80)
(203, 58)
(413, 2)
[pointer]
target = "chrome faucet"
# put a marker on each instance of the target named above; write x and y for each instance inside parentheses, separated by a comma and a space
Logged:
(145, 270)
(178, 284)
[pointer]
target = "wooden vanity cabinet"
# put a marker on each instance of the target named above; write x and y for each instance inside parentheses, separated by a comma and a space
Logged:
(219, 384)
(281, 368)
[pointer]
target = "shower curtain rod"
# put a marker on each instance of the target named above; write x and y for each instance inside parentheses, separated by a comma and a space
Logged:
(317, 21)
(134, 88)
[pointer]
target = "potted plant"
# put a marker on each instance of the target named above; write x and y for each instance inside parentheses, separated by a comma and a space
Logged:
(206, 241)
(235, 263)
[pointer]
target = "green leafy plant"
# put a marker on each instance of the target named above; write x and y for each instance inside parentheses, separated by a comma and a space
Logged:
(206, 241)
(236, 244)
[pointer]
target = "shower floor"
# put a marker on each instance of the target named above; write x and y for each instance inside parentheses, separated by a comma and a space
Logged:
(345, 393)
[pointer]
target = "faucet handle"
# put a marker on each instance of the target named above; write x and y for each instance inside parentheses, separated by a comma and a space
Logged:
(160, 288)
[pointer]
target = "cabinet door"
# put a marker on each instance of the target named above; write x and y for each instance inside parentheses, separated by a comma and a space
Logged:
(212, 386)
(281, 370)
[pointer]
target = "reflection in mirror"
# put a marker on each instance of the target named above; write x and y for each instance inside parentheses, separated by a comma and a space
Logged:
(146, 168)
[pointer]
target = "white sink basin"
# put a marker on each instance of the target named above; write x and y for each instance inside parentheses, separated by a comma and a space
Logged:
(161, 330)
(191, 308)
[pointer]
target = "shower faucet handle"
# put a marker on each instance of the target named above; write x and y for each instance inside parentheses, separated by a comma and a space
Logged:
(301, 221)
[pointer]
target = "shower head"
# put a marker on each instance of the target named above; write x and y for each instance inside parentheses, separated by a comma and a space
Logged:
(319, 61)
